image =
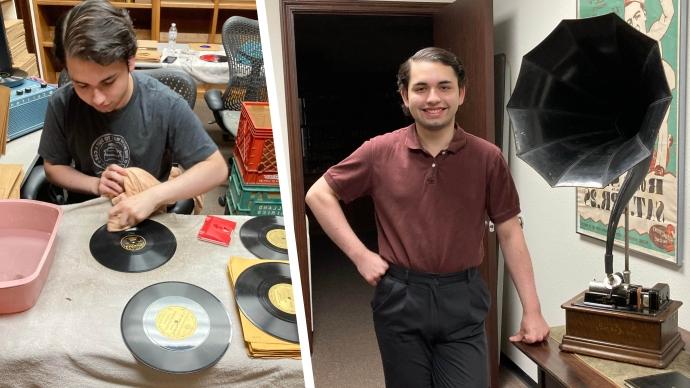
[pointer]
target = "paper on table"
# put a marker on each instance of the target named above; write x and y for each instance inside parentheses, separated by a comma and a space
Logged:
(10, 180)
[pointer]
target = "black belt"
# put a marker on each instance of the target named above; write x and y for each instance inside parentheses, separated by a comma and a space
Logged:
(409, 276)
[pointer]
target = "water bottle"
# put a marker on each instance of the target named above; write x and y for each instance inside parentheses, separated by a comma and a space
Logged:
(172, 39)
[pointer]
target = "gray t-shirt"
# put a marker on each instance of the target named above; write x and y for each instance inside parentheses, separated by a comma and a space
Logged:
(154, 129)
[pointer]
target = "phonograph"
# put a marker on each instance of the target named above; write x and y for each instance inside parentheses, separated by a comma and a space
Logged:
(587, 107)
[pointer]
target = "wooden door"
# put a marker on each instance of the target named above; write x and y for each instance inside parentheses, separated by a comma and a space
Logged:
(465, 27)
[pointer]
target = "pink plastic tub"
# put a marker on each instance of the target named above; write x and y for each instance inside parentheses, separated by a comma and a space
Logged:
(27, 234)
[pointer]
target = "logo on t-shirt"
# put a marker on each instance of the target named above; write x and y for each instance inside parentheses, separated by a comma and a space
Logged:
(109, 149)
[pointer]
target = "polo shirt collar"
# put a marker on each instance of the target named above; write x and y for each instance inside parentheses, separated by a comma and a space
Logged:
(456, 143)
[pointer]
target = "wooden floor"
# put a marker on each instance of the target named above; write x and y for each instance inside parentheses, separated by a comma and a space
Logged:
(510, 376)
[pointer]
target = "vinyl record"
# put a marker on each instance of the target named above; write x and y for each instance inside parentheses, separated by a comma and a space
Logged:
(138, 249)
(264, 236)
(214, 58)
(176, 327)
(264, 295)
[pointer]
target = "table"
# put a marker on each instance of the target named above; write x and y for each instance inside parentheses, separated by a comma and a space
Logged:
(562, 369)
(23, 150)
(71, 336)
(188, 60)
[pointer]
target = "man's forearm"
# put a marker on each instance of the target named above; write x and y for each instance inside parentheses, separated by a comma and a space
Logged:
(325, 205)
(199, 179)
(69, 178)
(667, 8)
(519, 263)
(659, 27)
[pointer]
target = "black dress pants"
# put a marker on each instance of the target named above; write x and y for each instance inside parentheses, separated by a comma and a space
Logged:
(430, 328)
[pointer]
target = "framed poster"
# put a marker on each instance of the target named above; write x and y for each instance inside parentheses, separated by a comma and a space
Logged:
(655, 211)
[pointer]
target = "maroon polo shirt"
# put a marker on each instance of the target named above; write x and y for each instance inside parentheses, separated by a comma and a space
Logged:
(430, 212)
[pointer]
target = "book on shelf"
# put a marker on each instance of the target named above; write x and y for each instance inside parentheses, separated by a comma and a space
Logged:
(662, 380)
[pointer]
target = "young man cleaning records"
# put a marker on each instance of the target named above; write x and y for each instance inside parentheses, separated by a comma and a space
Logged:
(110, 118)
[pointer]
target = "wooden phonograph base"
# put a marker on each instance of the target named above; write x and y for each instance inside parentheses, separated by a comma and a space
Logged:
(642, 339)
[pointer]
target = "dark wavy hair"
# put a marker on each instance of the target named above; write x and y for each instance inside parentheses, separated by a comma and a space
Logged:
(431, 54)
(96, 31)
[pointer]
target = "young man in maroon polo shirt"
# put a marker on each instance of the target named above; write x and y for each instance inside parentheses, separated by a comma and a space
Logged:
(433, 187)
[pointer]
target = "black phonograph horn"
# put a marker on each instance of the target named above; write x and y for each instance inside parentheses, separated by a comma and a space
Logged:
(587, 107)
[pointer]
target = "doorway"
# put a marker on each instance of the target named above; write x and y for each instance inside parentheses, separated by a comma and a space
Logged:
(346, 71)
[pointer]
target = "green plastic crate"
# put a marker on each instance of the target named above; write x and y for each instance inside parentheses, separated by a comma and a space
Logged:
(251, 200)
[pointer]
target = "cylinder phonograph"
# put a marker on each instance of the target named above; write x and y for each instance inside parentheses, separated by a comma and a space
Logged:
(586, 109)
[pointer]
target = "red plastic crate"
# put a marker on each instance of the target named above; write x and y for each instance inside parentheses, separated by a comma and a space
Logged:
(252, 177)
(254, 142)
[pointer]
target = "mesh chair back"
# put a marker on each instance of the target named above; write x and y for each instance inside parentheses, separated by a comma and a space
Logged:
(179, 81)
(242, 44)
(63, 79)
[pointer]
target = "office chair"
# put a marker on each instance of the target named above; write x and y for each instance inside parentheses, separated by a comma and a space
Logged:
(242, 44)
(178, 81)
(36, 185)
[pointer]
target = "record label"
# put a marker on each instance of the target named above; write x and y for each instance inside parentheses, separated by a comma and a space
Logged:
(276, 237)
(133, 242)
(141, 248)
(176, 322)
(264, 236)
(280, 296)
(215, 58)
(176, 327)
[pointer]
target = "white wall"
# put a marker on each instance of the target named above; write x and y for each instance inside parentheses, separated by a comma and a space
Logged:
(564, 263)
(268, 13)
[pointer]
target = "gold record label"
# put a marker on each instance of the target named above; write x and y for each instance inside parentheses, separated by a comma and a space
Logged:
(280, 296)
(176, 322)
(277, 238)
(133, 242)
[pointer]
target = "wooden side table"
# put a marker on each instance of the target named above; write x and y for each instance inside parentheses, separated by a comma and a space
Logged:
(562, 369)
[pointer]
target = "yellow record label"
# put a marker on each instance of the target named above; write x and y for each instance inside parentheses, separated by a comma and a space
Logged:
(280, 295)
(277, 238)
(133, 242)
(176, 322)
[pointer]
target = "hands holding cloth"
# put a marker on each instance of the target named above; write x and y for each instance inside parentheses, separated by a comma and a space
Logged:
(126, 187)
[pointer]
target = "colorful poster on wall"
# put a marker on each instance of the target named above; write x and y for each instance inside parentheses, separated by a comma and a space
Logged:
(654, 211)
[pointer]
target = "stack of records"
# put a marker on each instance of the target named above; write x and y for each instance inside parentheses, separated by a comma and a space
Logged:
(147, 51)
(263, 291)
(21, 58)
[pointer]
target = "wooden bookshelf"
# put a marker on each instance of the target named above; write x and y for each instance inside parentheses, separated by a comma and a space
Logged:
(197, 21)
